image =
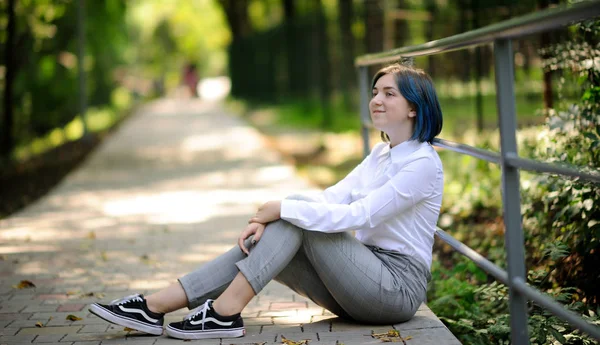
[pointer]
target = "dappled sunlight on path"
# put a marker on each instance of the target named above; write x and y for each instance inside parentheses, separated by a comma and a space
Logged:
(171, 188)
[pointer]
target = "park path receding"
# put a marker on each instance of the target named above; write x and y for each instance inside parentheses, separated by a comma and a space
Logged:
(169, 190)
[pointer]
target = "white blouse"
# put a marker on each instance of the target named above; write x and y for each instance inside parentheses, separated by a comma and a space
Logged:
(392, 199)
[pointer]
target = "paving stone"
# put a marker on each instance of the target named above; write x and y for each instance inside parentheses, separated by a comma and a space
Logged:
(171, 341)
(50, 330)
(11, 307)
(258, 321)
(9, 331)
(350, 338)
(276, 330)
(49, 338)
(430, 336)
(52, 297)
(15, 316)
(94, 328)
(247, 339)
(85, 343)
(23, 338)
(287, 305)
(27, 323)
(94, 336)
(422, 319)
(39, 308)
(71, 307)
(317, 327)
(293, 336)
(339, 325)
(137, 340)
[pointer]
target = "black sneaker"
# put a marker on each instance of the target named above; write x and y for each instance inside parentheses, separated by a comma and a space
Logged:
(204, 322)
(131, 312)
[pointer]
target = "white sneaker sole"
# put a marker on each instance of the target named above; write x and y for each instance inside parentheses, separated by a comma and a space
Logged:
(219, 333)
(125, 322)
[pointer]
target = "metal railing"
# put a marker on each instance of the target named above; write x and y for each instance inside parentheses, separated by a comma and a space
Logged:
(501, 35)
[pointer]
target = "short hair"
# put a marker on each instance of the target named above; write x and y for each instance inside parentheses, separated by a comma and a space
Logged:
(417, 88)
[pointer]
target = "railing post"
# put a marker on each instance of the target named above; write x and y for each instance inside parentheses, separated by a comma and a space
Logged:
(363, 89)
(81, 66)
(511, 199)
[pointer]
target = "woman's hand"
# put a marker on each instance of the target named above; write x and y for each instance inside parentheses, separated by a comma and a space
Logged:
(268, 212)
(255, 229)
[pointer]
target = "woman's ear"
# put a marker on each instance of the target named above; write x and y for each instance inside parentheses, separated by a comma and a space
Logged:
(412, 113)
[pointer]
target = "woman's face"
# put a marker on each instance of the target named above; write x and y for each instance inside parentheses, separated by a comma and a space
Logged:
(390, 111)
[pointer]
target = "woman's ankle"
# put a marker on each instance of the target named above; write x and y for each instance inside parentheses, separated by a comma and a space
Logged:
(155, 307)
(225, 309)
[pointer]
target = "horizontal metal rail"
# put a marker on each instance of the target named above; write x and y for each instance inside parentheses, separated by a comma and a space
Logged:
(490, 156)
(477, 258)
(531, 165)
(548, 19)
(519, 284)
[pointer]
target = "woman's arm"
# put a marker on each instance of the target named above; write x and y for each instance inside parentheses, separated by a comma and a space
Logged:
(414, 183)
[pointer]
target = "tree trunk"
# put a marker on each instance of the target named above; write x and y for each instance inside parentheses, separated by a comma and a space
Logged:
(475, 24)
(545, 41)
(431, 7)
(373, 13)
(401, 29)
(463, 26)
(347, 71)
(324, 67)
(7, 143)
(240, 56)
(294, 67)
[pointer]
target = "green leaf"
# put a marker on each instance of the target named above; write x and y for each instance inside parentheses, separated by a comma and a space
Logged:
(557, 335)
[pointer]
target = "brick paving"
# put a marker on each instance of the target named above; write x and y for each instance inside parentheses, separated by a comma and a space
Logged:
(169, 190)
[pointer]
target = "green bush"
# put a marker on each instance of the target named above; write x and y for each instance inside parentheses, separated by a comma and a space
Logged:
(561, 216)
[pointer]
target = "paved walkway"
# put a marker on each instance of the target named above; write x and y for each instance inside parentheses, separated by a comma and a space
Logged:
(170, 190)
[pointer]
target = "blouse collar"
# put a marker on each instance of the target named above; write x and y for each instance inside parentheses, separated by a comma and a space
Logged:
(405, 149)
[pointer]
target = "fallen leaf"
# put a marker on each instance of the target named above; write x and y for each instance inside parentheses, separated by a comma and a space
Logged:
(392, 333)
(2, 257)
(91, 235)
(391, 336)
(127, 329)
(24, 284)
(39, 324)
(104, 256)
(286, 341)
(71, 293)
(72, 317)
(92, 294)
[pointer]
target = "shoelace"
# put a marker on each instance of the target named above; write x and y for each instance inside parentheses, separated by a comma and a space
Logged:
(131, 298)
(200, 310)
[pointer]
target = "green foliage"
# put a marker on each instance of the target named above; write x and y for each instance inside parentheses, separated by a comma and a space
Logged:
(45, 89)
(561, 216)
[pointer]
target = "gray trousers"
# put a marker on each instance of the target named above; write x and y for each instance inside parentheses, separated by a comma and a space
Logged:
(335, 270)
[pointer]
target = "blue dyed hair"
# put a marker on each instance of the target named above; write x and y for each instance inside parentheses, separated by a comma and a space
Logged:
(417, 88)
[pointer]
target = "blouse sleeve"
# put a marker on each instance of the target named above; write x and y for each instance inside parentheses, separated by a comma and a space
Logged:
(412, 184)
(340, 192)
